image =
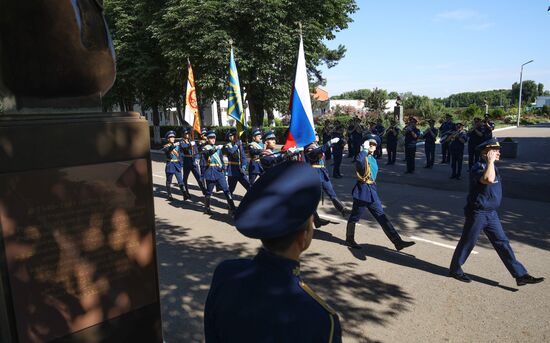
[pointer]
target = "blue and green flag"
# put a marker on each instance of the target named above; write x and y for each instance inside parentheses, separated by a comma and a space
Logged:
(235, 101)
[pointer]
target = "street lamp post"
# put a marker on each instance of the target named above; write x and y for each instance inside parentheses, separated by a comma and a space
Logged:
(520, 89)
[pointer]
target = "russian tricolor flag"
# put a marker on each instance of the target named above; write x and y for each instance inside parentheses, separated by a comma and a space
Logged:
(302, 131)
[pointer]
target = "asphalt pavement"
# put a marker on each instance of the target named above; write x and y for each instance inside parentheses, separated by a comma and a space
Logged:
(382, 295)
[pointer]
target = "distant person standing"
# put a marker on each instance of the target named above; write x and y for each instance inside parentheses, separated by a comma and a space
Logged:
(456, 148)
(326, 138)
(337, 151)
(484, 198)
(356, 138)
(379, 131)
(488, 127)
(430, 136)
(392, 135)
(411, 137)
(444, 130)
(265, 299)
(350, 142)
(475, 138)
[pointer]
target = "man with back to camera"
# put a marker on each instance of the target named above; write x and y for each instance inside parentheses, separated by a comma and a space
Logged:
(430, 136)
(444, 130)
(484, 197)
(264, 299)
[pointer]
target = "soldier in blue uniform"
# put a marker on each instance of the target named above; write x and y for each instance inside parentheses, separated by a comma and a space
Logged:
(189, 162)
(365, 195)
(173, 164)
(484, 198)
(445, 129)
(265, 299)
(391, 141)
(236, 161)
(430, 135)
(271, 157)
(456, 148)
(200, 160)
(411, 137)
(475, 138)
(379, 130)
(315, 156)
(488, 127)
(356, 138)
(256, 147)
(214, 174)
(327, 137)
(337, 151)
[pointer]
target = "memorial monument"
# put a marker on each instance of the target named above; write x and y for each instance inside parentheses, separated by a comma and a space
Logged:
(77, 237)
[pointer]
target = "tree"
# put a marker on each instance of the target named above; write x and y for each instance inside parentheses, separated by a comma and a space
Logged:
(393, 95)
(360, 94)
(529, 91)
(376, 101)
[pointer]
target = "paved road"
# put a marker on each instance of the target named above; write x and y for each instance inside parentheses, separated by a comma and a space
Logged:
(380, 294)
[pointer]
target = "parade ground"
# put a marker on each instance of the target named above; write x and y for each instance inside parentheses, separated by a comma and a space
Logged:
(382, 295)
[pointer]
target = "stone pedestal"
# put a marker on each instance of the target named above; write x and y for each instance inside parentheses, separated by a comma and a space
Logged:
(77, 237)
(398, 113)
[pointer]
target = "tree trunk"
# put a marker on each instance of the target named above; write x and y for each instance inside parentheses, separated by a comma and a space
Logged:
(156, 122)
(270, 117)
(219, 109)
(178, 111)
(256, 111)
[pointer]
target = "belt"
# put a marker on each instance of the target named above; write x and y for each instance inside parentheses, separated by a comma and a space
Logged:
(173, 161)
(255, 159)
(369, 182)
(233, 163)
(188, 156)
(317, 166)
(214, 165)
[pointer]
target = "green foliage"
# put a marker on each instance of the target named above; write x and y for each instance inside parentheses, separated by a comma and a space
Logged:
(471, 112)
(376, 101)
(360, 94)
(344, 111)
(498, 97)
(497, 113)
(529, 91)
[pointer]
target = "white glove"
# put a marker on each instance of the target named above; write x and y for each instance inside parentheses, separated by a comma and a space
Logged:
(366, 145)
(334, 140)
(219, 147)
(292, 150)
(300, 149)
(193, 143)
(176, 143)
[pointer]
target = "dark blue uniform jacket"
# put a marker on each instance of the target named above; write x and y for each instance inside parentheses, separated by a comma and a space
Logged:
(483, 197)
(365, 189)
(236, 159)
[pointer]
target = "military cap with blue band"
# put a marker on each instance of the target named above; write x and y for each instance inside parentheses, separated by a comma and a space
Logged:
(231, 132)
(256, 132)
(170, 134)
(185, 130)
(211, 134)
(269, 135)
(488, 144)
(204, 131)
(280, 202)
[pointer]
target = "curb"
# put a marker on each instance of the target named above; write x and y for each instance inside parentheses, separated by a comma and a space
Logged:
(505, 128)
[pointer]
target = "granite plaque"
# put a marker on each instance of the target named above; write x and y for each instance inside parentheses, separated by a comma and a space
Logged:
(79, 246)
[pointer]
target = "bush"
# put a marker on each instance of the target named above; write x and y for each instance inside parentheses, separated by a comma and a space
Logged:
(510, 118)
(497, 113)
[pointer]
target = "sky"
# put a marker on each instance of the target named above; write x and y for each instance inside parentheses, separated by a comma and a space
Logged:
(440, 47)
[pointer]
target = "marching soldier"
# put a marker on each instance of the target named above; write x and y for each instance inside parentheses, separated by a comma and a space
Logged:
(337, 151)
(265, 299)
(391, 141)
(430, 135)
(214, 174)
(456, 148)
(173, 164)
(327, 137)
(200, 160)
(255, 148)
(365, 195)
(236, 161)
(411, 137)
(315, 156)
(271, 157)
(189, 162)
(475, 138)
(483, 201)
(444, 131)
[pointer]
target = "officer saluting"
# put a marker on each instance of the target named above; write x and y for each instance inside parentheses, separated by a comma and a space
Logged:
(271, 157)
(213, 174)
(483, 200)
(264, 299)
(190, 151)
(236, 161)
(255, 148)
(365, 194)
(173, 164)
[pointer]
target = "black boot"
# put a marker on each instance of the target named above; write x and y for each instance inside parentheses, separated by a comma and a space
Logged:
(231, 204)
(350, 236)
(340, 207)
(201, 186)
(392, 234)
(207, 209)
(169, 191)
(318, 221)
(185, 193)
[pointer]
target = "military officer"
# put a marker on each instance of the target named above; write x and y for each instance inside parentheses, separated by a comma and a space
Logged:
(430, 135)
(379, 131)
(475, 138)
(411, 137)
(356, 138)
(256, 147)
(315, 156)
(270, 157)
(488, 127)
(483, 201)
(214, 174)
(199, 159)
(265, 299)
(456, 148)
(365, 195)
(173, 164)
(444, 130)
(236, 161)
(337, 151)
(327, 137)
(391, 141)
(189, 156)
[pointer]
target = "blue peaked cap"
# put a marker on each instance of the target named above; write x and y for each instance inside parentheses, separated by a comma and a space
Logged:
(170, 134)
(280, 202)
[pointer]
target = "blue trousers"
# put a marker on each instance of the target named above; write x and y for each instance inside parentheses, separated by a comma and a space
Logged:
(195, 170)
(328, 189)
(220, 183)
(170, 176)
(410, 152)
(456, 163)
(337, 163)
(391, 147)
(375, 208)
(445, 153)
(243, 179)
(429, 149)
(490, 224)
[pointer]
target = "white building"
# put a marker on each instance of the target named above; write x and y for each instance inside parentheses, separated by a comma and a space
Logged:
(359, 105)
(541, 101)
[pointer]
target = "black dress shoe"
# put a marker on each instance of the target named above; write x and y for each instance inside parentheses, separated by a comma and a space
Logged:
(353, 244)
(403, 244)
(318, 222)
(525, 279)
(460, 277)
